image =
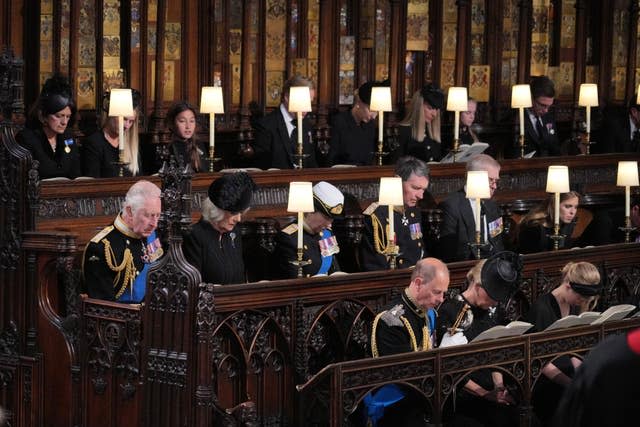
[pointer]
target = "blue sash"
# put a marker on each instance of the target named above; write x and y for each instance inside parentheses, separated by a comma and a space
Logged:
(326, 260)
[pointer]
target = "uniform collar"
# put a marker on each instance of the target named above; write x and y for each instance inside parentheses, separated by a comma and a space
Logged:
(122, 227)
(411, 304)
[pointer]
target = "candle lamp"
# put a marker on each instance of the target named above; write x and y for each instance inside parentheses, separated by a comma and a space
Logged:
(211, 101)
(588, 98)
(299, 102)
(521, 99)
(457, 101)
(478, 188)
(300, 201)
(120, 106)
(557, 183)
(380, 102)
(627, 177)
(391, 195)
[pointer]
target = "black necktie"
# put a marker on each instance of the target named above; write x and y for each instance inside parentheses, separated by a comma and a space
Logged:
(294, 135)
(540, 128)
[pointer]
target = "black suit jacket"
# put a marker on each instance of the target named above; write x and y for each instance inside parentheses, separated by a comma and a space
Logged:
(52, 164)
(458, 228)
(547, 145)
(273, 147)
(616, 137)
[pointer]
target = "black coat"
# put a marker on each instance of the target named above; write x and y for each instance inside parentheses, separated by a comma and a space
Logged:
(99, 157)
(535, 238)
(351, 144)
(52, 164)
(428, 149)
(274, 148)
(217, 256)
(616, 137)
(409, 238)
(287, 250)
(458, 228)
(178, 149)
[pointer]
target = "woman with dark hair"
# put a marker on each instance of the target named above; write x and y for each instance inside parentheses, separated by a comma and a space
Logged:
(419, 131)
(214, 244)
(46, 135)
(100, 150)
(181, 120)
(537, 225)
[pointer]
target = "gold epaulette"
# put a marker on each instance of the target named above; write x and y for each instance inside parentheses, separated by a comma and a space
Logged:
(290, 229)
(371, 208)
(102, 234)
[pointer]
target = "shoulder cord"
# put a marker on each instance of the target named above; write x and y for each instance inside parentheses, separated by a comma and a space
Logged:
(426, 341)
(126, 265)
(379, 234)
(461, 313)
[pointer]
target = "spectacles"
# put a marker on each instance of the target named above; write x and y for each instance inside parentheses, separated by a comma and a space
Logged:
(494, 181)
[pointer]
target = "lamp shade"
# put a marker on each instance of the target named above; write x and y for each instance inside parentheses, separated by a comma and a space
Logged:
(391, 191)
(457, 99)
(588, 95)
(300, 197)
(211, 100)
(521, 96)
(478, 185)
(299, 99)
(380, 99)
(120, 103)
(627, 174)
(558, 179)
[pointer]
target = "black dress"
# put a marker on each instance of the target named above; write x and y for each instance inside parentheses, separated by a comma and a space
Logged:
(217, 256)
(536, 237)
(470, 409)
(63, 162)
(178, 149)
(287, 250)
(351, 143)
(546, 394)
(428, 149)
(99, 157)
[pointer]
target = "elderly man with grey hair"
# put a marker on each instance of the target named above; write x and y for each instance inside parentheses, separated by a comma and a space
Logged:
(214, 244)
(458, 227)
(116, 260)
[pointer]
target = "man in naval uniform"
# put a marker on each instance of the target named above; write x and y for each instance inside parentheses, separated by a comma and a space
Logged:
(116, 260)
(407, 220)
(319, 243)
(407, 324)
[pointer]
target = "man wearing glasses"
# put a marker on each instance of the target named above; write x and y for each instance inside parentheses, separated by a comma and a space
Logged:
(458, 228)
(540, 134)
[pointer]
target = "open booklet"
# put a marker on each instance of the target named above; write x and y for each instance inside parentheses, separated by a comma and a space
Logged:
(514, 328)
(616, 312)
(466, 152)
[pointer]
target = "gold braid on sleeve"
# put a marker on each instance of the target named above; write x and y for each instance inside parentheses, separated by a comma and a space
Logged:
(126, 270)
(426, 341)
(380, 233)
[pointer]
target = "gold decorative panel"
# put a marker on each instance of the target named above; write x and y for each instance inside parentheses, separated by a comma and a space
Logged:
(382, 31)
(510, 32)
(449, 35)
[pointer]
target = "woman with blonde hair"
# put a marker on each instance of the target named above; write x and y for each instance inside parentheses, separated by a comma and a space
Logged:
(419, 131)
(100, 151)
(578, 289)
(538, 225)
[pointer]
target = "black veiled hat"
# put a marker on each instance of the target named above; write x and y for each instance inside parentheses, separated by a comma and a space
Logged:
(56, 94)
(364, 91)
(500, 275)
(433, 96)
(232, 192)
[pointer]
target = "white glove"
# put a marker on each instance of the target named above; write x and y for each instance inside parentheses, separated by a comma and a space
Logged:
(456, 339)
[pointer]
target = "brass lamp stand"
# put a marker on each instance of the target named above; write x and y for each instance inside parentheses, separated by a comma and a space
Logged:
(300, 263)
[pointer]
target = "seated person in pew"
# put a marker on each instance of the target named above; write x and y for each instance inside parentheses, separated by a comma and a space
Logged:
(116, 260)
(483, 399)
(604, 391)
(621, 134)
(407, 221)
(579, 286)
(605, 227)
(100, 150)
(458, 227)
(46, 134)
(536, 228)
(353, 132)
(319, 243)
(408, 324)
(214, 244)
(185, 147)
